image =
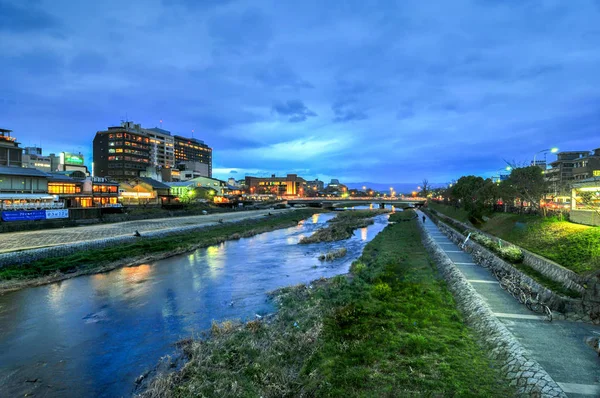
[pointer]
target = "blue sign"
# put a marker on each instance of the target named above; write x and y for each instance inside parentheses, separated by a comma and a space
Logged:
(31, 215)
(24, 215)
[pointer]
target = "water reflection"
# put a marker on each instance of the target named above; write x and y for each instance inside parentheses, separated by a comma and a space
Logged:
(94, 335)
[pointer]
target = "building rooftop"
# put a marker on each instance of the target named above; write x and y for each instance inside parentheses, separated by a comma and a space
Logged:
(22, 171)
(154, 183)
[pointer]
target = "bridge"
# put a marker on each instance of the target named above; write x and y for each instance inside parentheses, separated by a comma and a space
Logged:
(339, 202)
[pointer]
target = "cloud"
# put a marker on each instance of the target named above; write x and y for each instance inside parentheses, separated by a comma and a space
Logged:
(278, 74)
(233, 172)
(240, 33)
(346, 111)
(404, 86)
(295, 110)
(24, 18)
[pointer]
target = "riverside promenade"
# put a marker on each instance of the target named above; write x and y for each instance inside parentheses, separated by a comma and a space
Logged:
(17, 241)
(558, 346)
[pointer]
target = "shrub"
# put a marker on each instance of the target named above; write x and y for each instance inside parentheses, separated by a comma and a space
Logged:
(382, 290)
(511, 254)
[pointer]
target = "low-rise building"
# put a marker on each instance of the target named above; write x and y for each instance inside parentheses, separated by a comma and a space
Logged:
(144, 191)
(585, 201)
(290, 185)
(11, 154)
(587, 166)
(560, 175)
(34, 159)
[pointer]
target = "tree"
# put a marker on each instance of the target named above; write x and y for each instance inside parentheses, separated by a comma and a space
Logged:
(425, 187)
(525, 184)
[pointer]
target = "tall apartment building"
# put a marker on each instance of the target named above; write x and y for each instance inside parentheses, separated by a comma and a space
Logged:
(121, 152)
(10, 152)
(162, 148)
(193, 150)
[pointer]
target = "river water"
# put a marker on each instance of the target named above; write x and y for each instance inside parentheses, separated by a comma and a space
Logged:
(94, 335)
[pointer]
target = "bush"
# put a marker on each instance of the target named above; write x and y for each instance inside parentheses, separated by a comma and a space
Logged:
(511, 254)
(382, 290)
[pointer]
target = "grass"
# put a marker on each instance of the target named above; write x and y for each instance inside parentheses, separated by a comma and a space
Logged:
(92, 259)
(458, 213)
(343, 225)
(392, 329)
(574, 246)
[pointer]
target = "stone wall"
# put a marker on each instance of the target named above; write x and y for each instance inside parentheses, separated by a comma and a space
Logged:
(518, 366)
(564, 307)
(550, 269)
(586, 217)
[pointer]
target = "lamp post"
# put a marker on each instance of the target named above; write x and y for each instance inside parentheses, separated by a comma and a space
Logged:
(552, 150)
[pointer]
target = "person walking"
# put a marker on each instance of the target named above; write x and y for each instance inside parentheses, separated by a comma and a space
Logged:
(423, 219)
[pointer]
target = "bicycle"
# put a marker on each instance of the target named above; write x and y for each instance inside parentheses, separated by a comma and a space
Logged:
(537, 305)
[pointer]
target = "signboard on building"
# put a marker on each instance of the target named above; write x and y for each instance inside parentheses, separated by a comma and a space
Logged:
(71, 158)
(60, 213)
(32, 215)
(596, 173)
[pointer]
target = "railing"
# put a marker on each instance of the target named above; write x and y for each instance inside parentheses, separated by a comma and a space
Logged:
(33, 206)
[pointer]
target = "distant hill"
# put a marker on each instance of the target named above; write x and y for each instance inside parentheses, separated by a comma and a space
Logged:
(400, 187)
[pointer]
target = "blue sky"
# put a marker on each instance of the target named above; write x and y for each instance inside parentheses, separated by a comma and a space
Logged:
(382, 91)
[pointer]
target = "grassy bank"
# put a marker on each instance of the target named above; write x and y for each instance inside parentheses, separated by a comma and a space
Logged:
(574, 246)
(343, 226)
(392, 329)
(90, 260)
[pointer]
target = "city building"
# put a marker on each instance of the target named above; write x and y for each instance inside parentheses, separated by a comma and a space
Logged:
(335, 188)
(33, 158)
(194, 150)
(11, 154)
(202, 188)
(587, 166)
(315, 185)
(71, 162)
(560, 174)
(144, 191)
(121, 152)
(162, 148)
(585, 201)
(290, 185)
(23, 180)
(128, 151)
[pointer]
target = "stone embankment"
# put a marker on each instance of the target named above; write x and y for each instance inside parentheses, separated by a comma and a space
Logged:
(518, 366)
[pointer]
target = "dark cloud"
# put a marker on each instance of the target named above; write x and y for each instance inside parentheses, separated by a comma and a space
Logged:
(233, 172)
(295, 110)
(278, 74)
(24, 17)
(346, 111)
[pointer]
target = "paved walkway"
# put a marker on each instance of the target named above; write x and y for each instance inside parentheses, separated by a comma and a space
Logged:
(558, 345)
(12, 241)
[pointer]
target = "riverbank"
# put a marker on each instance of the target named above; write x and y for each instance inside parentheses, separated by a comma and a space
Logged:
(143, 250)
(343, 226)
(391, 328)
(574, 246)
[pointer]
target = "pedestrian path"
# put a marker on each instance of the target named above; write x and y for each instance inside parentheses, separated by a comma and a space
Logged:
(13, 241)
(558, 346)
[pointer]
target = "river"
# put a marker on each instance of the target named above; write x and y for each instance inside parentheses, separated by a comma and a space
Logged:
(94, 335)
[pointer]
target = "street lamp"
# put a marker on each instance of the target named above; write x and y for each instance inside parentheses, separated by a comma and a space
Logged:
(552, 150)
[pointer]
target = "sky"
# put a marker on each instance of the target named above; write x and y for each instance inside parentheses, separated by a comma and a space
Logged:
(359, 90)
